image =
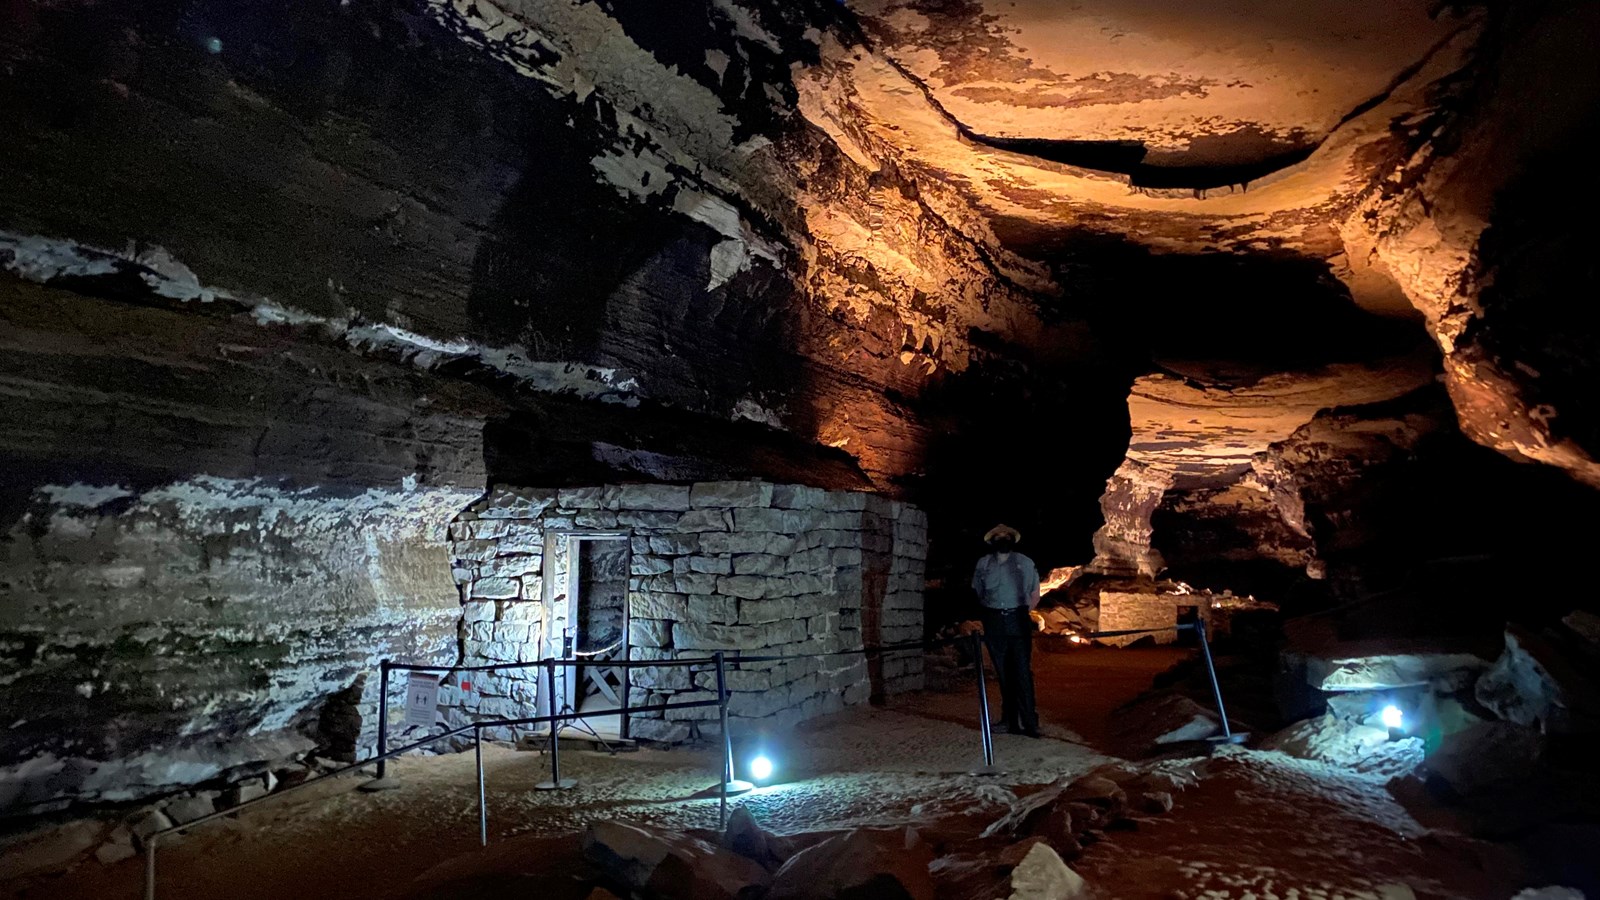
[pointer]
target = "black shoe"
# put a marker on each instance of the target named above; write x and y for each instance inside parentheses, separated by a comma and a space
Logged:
(1030, 732)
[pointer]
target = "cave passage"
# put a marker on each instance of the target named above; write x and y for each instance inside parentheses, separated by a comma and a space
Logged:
(363, 364)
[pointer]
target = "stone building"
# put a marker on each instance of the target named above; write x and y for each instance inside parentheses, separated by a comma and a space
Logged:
(735, 566)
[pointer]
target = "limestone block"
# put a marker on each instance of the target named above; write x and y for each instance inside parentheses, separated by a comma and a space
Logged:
(698, 520)
(754, 704)
(188, 807)
(663, 678)
(695, 583)
(527, 609)
(845, 556)
(477, 611)
(658, 730)
(815, 559)
(708, 636)
(596, 519)
(643, 654)
(672, 544)
(659, 605)
(663, 582)
(756, 612)
(649, 633)
(511, 631)
(532, 589)
(758, 564)
(653, 497)
(769, 543)
(482, 529)
(648, 565)
(795, 496)
(515, 503)
(509, 566)
(714, 608)
(746, 587)
(796, 585)
(730, 493)
(496, 588)
(715, 565)
(653, 520)
(475, 551)
(698, 714)
(521, 540)
(841, 521)
(583, 498)
(835, 538)
(788, 631)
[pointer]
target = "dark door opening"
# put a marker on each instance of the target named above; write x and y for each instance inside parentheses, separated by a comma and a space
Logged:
(597, 625)
(1187, 635)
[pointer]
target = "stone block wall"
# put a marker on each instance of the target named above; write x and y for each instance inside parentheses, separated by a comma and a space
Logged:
(733, 566)
(1126, 611)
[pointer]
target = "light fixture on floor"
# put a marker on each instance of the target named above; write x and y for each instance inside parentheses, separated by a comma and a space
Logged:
(760, 768)
(1392, 718)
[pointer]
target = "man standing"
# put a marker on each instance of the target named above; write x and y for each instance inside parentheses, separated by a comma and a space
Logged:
(1007, 584)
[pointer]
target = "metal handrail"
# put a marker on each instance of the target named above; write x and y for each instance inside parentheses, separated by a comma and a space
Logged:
(152, 840)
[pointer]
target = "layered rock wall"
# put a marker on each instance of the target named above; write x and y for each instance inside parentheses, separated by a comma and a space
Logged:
(197, 630)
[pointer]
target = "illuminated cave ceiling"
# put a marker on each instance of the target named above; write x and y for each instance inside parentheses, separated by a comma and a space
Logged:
(1189, 127)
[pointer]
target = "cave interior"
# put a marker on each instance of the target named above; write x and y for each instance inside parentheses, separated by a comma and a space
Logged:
(329, 329)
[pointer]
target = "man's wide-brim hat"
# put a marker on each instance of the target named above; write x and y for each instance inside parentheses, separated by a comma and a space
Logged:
(1003, 533)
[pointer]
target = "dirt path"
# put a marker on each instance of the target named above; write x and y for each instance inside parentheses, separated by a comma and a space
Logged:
(1260, 825)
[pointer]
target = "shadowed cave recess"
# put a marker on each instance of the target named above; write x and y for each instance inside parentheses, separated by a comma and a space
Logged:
(331, 330)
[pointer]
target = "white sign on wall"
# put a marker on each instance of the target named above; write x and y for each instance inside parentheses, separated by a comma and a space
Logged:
(422, 699)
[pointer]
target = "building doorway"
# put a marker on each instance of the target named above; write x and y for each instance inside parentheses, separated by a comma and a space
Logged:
(1188, 636)
(596, 626)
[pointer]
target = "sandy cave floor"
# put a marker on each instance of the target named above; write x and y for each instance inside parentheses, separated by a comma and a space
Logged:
(1259, 826)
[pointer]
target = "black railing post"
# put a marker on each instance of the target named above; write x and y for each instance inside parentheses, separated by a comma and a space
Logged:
(555, 783)
(727, 741)
(483, 806)
(985, 730)
(383, 717)
(627, 686)
(1211, 669)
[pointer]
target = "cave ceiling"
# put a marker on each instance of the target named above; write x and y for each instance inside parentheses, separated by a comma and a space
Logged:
(1195, 127)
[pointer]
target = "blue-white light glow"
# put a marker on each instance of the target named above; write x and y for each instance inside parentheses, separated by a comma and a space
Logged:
(1392, 717)
(761, 768)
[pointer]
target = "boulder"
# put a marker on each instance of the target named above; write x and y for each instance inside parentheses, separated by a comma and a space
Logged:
(670, 866)
(189, 807)
(1485, 755)
(746, 838)
(1042, 875)
(863, 864)
(1536, 683)
(147, 822)
(1158, 719)
(1342, 742)
(1045, 814)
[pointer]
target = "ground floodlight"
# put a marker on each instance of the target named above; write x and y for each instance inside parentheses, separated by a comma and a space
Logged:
(1392, 716)
(761, 768)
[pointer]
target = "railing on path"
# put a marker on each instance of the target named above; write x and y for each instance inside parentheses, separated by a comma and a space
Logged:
(717, 662)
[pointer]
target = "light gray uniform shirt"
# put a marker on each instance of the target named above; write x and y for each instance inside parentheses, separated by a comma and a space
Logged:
(1005, 585)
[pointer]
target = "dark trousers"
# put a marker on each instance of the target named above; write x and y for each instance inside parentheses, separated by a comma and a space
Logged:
(1009, 637)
